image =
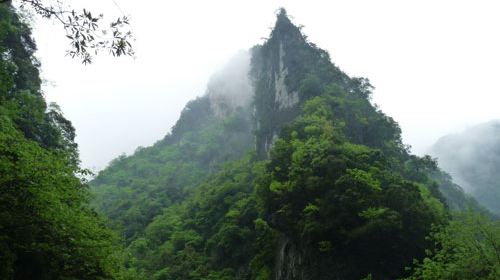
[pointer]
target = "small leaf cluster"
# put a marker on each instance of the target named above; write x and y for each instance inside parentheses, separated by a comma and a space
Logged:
(86, 32)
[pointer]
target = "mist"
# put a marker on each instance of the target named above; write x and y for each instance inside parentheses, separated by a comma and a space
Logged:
(239, 143)
(472, 158)
(230, 87)
(420, 68)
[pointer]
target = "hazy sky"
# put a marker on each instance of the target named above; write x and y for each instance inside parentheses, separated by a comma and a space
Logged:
(434, 63)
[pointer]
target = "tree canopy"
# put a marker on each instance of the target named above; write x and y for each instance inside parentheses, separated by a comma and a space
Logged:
(310, 181)
(47, 229)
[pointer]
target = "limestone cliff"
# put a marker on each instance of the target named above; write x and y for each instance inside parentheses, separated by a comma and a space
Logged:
(278, 68)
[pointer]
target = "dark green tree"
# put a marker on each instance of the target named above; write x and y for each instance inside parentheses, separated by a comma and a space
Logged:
(467, 248)
(47, 230)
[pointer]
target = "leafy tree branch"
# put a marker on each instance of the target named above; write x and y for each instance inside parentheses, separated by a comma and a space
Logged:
(87, 34)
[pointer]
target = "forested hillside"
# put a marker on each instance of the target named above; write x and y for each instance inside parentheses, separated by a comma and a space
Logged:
(309, 180)
(133, 190)
(47, 229)
(283, 169)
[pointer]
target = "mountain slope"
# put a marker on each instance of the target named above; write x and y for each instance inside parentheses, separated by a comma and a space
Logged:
(473, 158)
(211, 130)
(327, 190)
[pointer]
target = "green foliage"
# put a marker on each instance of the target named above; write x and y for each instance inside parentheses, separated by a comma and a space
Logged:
(330, 193)
(310, 73)
(20, 95)
(467, 248)
(343, 202)
(339, 197)
(85, 31)
(310, 87)
(308, 70)
(47, 230)
(439, 183)
(133, 190)
(215, 233)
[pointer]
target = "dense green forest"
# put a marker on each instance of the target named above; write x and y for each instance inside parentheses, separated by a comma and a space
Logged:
(309, 180)
(47, 229)
(324, 190)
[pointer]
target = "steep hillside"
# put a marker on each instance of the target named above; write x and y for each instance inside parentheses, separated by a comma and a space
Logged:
(473, 159)
(211, 130)
(47, 229)
(306, 179)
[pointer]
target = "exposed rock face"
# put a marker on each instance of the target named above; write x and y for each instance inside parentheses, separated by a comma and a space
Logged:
(268, 145)
(276, 99)
(279, 71)
(283, 98)
(293, 262)
(288, 262)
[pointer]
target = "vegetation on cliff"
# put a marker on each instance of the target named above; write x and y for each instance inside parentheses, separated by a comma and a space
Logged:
(309, 180)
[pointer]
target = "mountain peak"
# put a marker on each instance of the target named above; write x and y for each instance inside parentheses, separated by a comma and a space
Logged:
(284, 29)
(282, 16)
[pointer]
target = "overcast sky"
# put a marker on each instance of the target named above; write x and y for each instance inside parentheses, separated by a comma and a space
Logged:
(434, 64)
